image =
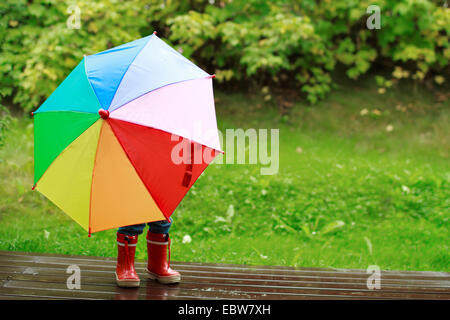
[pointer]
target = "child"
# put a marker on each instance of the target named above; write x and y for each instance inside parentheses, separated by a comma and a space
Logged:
(158, 241)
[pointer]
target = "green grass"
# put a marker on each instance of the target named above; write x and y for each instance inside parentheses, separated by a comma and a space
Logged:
(349, 193)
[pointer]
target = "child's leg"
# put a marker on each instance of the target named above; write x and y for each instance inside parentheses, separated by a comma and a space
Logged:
(162, 226)
(127, 238)
(158, 242)
(132, 230)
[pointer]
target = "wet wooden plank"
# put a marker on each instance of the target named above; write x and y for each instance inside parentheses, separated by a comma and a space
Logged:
(226, 273)
(281, 269)
(256, 279)
(25, 275)
(220, 290)
(49, 273)
(43, 269)
(230, 269)
(27, 297)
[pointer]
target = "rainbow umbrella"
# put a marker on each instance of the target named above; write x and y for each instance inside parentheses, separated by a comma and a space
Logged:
(108, 141)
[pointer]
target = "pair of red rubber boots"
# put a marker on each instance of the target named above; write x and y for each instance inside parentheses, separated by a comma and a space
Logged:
(158, 266)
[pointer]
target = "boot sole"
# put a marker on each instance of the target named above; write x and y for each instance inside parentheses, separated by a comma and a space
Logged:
(163, 279)
(127, 283)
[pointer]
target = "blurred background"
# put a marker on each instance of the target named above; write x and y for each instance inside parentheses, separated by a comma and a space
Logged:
(358, 89)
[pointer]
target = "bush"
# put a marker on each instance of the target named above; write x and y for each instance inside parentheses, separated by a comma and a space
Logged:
(300, 42)
(5, 120)
(38, 49)
(258, 41)
(280, 43)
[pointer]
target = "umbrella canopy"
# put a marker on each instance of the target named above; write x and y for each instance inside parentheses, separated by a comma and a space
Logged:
(105, 139)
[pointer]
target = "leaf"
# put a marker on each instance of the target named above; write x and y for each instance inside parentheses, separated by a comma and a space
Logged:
(306, 230)
(369, 245)
(230, 213)
(332, 226)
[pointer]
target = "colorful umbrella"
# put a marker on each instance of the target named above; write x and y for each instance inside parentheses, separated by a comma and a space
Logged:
(108, 140)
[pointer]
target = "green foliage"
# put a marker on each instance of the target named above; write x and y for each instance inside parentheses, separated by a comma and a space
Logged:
(5, 120)
(413, 35)
(300, 42)
(267, 43)
(281, 43)
(38, 49)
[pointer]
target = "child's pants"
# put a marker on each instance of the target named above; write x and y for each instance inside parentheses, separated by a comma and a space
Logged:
(162, 226)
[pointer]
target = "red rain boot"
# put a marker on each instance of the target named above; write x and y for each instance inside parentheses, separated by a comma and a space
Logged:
(125, 272)
(158, 268)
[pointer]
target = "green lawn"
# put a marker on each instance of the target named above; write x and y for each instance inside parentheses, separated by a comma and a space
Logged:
(354, 189)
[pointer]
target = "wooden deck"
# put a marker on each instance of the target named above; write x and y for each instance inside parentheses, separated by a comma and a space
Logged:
(44, 276)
